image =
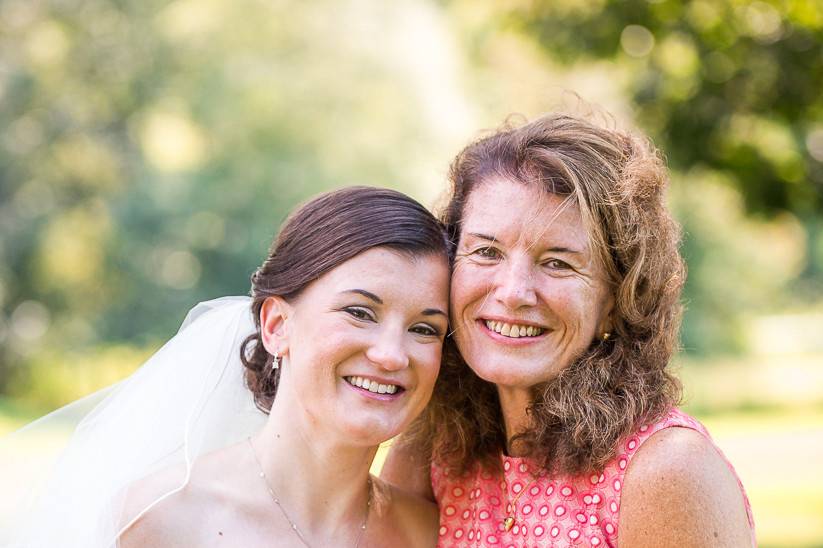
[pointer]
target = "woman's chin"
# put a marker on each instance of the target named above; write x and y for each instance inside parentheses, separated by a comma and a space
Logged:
(511, 375)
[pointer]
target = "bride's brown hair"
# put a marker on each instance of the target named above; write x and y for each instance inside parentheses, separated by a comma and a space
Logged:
(618, 181)
(322, 234)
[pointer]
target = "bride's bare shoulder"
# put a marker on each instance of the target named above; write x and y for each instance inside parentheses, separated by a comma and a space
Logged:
(162, 508)
(153, 509)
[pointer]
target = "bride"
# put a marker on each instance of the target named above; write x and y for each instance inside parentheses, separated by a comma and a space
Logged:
(257, 424)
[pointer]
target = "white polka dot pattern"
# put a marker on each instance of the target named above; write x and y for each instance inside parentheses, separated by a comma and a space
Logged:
(553, 512)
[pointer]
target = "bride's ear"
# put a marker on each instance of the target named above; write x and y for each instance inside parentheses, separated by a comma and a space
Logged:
(274, 332)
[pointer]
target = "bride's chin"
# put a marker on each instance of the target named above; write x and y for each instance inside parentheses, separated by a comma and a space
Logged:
(369, 433)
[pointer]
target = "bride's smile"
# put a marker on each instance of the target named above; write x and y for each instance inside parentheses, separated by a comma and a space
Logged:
(360, 350)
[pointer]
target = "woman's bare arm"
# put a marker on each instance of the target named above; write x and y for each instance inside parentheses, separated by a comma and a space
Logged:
(408, 468)
(679, 491)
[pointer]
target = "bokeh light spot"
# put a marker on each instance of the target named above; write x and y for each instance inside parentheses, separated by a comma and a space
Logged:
(814, 143)
(180, 270)
(637, 40)
(30, 320)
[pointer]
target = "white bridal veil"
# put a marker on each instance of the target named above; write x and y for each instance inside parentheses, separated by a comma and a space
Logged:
(187, 399)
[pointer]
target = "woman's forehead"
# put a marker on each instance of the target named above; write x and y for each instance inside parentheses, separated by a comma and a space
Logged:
(508, 209)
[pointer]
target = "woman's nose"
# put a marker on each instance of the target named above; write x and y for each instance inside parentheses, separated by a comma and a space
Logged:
(388, 352)
(514, 285)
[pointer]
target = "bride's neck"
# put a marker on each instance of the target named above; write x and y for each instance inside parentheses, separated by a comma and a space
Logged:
(321, 480)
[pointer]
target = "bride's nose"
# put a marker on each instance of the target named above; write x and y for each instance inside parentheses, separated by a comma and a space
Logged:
(388, 352)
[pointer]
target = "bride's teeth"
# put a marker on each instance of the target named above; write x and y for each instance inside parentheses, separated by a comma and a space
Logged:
(372, 386)
(523, 330)
(506, 331)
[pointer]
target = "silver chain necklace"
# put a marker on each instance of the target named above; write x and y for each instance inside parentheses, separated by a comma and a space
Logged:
(294, 527)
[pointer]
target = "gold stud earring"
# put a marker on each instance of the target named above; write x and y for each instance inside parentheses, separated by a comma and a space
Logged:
(606, 336)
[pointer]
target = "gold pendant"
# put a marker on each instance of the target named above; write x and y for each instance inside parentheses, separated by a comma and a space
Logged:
(508, 523)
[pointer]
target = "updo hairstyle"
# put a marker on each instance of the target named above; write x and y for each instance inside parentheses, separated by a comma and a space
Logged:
(321, 235)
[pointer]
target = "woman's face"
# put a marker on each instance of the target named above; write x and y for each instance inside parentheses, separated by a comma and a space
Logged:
(363, 343)
(527, 294)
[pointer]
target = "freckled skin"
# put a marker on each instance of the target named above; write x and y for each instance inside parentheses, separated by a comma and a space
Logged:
(519, 275)
(537, 267)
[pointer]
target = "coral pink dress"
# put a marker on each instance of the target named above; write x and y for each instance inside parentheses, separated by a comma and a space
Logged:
(554, 511)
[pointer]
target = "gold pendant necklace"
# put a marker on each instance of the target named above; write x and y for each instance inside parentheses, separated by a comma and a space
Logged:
(510, 520)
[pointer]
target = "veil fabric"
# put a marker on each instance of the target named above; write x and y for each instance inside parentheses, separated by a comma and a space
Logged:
(64, 477)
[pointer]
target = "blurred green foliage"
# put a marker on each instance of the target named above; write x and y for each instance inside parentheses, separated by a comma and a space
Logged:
(733, 85)
(151, 148)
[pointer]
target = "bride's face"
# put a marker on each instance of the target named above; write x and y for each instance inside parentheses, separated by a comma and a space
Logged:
(363, 344)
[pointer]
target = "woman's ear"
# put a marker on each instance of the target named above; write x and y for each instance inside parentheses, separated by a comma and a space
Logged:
(605, 328)
(273, 325)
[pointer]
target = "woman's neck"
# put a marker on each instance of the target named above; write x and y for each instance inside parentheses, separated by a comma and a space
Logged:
(514, 402)
(321, 481)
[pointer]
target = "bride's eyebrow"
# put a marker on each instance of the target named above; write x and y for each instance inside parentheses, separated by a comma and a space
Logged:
(367, 294)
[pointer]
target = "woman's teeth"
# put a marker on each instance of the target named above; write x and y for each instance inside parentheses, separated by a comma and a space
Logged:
(513, 330)
(372, 386)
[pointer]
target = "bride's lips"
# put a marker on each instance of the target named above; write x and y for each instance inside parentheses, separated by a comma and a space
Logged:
(375, 387)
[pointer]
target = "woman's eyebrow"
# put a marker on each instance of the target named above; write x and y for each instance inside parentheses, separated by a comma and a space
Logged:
(553, 249)
(434, 312)
(367, 294)
(557, 249)
(483, 236)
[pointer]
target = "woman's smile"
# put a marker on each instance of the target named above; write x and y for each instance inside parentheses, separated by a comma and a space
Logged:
(513, 331)
(527, 298)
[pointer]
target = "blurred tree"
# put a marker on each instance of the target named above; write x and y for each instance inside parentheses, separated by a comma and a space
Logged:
(151, 149)
(733, 85)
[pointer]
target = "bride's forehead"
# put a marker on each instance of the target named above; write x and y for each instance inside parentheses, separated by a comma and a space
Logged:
(384, 270)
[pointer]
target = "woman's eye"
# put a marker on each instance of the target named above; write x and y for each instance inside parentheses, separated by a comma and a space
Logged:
(427, 330)
(557, 264)
(487, 253)
(358, 313)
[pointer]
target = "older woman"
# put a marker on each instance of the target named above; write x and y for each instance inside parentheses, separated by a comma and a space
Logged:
(554, 421)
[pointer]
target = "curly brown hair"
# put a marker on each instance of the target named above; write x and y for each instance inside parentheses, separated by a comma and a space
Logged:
(618, 181)
(325, 232)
